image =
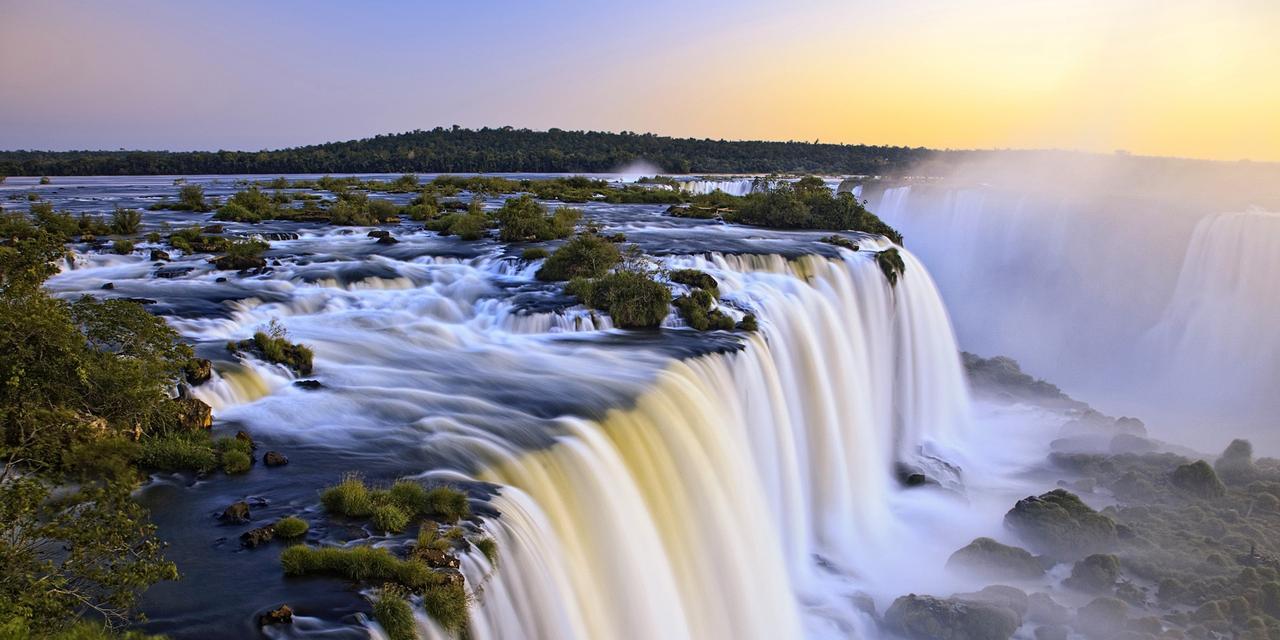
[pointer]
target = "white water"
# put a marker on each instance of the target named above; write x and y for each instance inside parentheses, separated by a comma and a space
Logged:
(1140, 305)
(746, 493)
(733, 187)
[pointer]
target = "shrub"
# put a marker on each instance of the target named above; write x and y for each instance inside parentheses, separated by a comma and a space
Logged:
(291, 527)
(422, 211)
(236, 462)
(178, 452)
(840, 241)
(191, 196)
(447, 604)
(408, 495)
(695, 279)
(125, 221)
(392, 611)
(891, 264)
(389, 518)
(534, 253)
(748, 323)
(273, 346)
(122, 246)
(350, 498)
(697, 310)
(250, 205)
(523, 218)
(45, 180)
(1198, 479)
(631, 298)
(583, 256)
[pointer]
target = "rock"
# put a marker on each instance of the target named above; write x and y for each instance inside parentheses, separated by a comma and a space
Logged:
(910, 476)
(283, 615)
(173, 272)
(929, 618)
(309, 385)
(989, 559)
(243, 436)
(388, 239)
(255, 537)
(1101, 618)
(197, 371)
(864, 603)
(1060, 524)
(437, 559)
(1235, 465)
(1198, 479)
(1128, 443)
(213, 228)
(109, 286)
(237, 513)
(1011, 598)
(237, 263)
(192, 414)
(378, 233)
(159, 256)
(1095, 574)
(1052, 632)
(280, 235)
(274, 459)
(1043, 609)
(220, 279)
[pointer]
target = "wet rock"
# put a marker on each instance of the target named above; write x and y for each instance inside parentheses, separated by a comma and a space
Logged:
(1060, 524)
(388, 239)
(238, 263)
(1011, 598)
(243, 436)
(192, 414)
(929, 618)
(280, 235)
(237, 513)
(438, 559)
(378, 233)
(257, 537)
(1124, 443)
(1102, 618)
(220, 279)
(159, 256)
(197, 371)
(274, 459)
(283, 615)
(1044, 609)
(1095, 574)
(989, 559)
(173, 272)
(1198, 479)
(910, 476)
(109, 286)
(309, 385)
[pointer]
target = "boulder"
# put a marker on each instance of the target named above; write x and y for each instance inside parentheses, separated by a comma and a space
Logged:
(237, 263)
(255, 537)
(1095, 574)
(283, 615)
(192, 414)
(1102, 618)
(1058, 523)
(173, 272)
(388, 239)
(1235, 465)
(989, 559)
(213, 228)
(929, 618)
(274, 459)
(197, 371)
(1198, 479)
(1011, 598)
(309, 385)
(437, 558)
(237, 513)
(108, 286)
(1044, 609)
(159, 256)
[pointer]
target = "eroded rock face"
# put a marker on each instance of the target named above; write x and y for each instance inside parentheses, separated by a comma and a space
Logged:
(1058, 523)
(989, 559)
(929, 618)
(197, 371)
(192, 414)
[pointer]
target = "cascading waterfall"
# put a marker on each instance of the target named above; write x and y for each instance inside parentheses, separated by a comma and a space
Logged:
(745, 491)
(733, 187)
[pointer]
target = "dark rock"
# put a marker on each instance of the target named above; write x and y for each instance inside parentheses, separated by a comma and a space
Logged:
(388, 239)
(279, 235)
(378, 233)
(989, 559)
(309, 385)
(159, 256)
(1060, 524)
(1043, 609)
(213, 228)
(1101, 618)
(220, 279)
(197, 371)
(1198, 479)
(237, 513)
(1095, 574)
(109, 286)
(256, 537)
(243, 436)
(238, 263)
(192, 414)
(274, 459)
(283, 615)
(911, 476)
(173, 272)
(929, 618)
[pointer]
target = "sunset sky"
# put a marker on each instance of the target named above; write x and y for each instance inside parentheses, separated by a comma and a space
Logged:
(1158, 77)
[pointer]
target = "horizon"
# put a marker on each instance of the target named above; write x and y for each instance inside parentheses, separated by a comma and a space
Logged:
(1183, 81)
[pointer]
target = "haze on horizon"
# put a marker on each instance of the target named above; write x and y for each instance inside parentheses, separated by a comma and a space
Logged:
(1190, 79)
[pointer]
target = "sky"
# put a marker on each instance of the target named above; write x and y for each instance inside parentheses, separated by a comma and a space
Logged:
(1152, 77)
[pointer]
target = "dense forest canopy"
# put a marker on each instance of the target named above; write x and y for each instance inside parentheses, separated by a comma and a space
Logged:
(505, 149)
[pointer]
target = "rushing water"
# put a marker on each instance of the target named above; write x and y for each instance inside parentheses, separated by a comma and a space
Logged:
(669, 484)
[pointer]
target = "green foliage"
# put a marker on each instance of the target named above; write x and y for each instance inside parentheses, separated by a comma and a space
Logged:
(391, 609)
(290, 527)
(632, 299)
(891, 264)
(697, 309)
(471, 225)
(45, 180)
(583, 256)
(840, 241)
(748, 323)
(273, 346)
(122, 246)
(489, 547)
(524, 219)
(125, 221)
(408, 499)
(695, 279)
(389, 518)
(1059, 523)
(178, 452)
(191, 196)
(27, 253)
(534, 253)
(192, 240)
(236, 462)
(1198, 479)
(806, 204)
(349, 498)
(446, 504)
(250, 205)
(357, 563)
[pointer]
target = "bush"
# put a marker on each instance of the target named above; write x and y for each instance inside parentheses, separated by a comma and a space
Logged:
(178, 452)
(45, 180)
(698, 312)
(447, 604)
(446, 504)
(125, 221)
(583, 256)
(695, 279)
(534, 253)
(524, 219)
(748, 323)
(191, 196)
(291, 527)
(389, 518)
(392, 611)
(349, 498)
(1198, 479)
(250, 205)
(236, 462)
(632, 299)
(273, 346)
(122, 246)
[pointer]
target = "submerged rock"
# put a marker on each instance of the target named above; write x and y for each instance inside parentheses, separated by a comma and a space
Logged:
(929, 618)
(237, 513)
(108, 286)
(159, 256)
(274, 459)
(283, 615)
(256, 537)
(989, 559)
(1060, 524)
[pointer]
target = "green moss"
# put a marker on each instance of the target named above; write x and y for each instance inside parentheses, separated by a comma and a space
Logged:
(1059, 523)
(840, 241)
(291, 527)
(122, 246)
(583, 256)
(389, 518)
(448, 605)
(391, 609)
(236, 462)
(891, 264)
(446, 504)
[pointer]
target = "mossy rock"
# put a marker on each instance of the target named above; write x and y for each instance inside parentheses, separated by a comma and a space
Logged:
(989, 559)
(1102, 618)
(1058, 523)
(929, 618)
(1095, 574)
(1198, 479)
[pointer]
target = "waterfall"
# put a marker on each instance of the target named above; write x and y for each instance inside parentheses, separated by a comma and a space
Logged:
(733, 187)
(744, 493)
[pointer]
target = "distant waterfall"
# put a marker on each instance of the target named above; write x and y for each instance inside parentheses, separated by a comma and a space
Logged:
(721, 505)
(733, 187)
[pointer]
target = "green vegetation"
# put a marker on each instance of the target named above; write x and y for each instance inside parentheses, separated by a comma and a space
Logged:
(122, 246)
(469, 225)
(391, 609)
(523, 219)
(63, 226)
(241, 254)
(1060, 524)
(291, 527)
(250, 205)
(891, 264)
(45, 180)
(697, 309)
(352, 498)
(190, 198)
(534, 253)
(583, 256)
(125, 222)
(178, 452)
(488, 150)
(489, 547)
(389, 518)
(748, 323)
(840, 241)
(273, 346)
(193, 240)
(695, 279)
(633, 299)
